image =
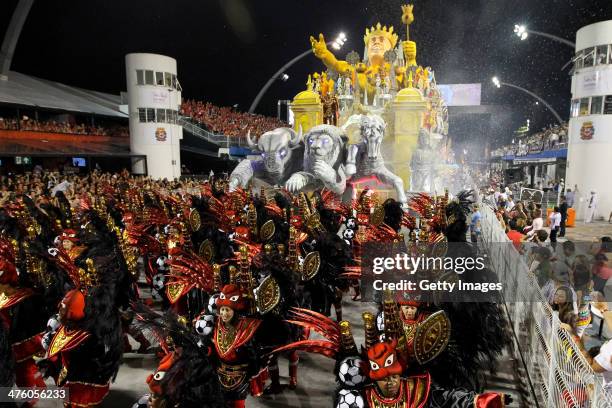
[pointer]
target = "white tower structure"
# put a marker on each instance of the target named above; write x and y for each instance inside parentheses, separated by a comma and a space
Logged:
(589, 158)
(154, 98)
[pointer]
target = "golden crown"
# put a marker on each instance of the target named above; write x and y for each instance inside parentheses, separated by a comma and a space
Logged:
(379, 30)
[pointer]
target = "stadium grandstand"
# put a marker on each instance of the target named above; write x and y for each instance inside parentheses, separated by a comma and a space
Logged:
(49, 124)
(57, 126)
(536, 160)
(227, 121)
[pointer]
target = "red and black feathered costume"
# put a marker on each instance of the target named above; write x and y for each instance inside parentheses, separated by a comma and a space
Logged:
(85, 352)
(480, 330)
(417, 390)
(389, 385)
(185, 376)
(274, 331)
(237, 365)
(75, 353)
(21, 318)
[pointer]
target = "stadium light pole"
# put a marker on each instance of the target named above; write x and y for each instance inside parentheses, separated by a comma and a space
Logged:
(499, 84)
(523, 32)
(336, 44)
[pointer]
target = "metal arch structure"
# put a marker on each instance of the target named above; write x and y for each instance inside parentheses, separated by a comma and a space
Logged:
(552, 37)
(550, 108)
(277, 75)
(12, 35)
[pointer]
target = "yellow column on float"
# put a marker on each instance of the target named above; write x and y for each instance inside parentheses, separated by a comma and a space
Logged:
(307, 110)
(406, 112)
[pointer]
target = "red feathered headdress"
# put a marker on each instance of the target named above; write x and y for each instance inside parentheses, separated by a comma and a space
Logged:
(69, 234)
(154, 380)
(403, 298)
(74, 302)
(232, 297)
(383, 360)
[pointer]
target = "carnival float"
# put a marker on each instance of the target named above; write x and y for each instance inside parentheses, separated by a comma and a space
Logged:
(376, 121)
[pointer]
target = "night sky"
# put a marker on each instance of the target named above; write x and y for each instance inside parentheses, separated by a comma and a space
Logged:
(227, 49)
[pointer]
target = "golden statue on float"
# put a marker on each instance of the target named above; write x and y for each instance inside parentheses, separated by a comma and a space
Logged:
(378, 41)
(387, 82)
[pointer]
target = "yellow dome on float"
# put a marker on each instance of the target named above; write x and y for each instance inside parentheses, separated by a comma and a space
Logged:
(306, 97)
(409, 95)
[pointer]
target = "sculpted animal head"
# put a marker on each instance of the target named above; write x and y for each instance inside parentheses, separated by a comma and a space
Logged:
(325, 143)
(372, 133)
(276, 148)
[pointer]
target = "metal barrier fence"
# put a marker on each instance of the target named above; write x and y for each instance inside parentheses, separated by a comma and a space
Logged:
(559, 373)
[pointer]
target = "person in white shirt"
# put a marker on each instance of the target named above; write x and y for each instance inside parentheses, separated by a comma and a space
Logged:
(555, 224)
(553, 140)
(536, 224)
(509, 203)
(602, 363)
(496, 196)
(591, 207)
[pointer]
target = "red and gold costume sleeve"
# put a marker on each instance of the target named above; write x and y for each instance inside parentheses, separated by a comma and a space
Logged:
(10, 296)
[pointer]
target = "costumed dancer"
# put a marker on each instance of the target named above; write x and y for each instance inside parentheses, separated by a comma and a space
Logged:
(20, 317)
(479, 331)
(388, 372)
(185, 376)
(276, 293)
(235, 353)
(84, 353)
(326, 253)
(27, 287)
(389, 386)
(234, 348)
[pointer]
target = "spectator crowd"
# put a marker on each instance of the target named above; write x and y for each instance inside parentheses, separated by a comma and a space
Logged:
(228, 121)
(550, 138)
(575, 277)
(219, 120)
(52, 126)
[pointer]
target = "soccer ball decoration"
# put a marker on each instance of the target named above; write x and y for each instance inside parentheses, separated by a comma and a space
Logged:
(143, 402)
(350, 372)
(156, 296)
(158, 281)
(212, 304)
(161, 263)
(204, 325)
(348, 234)
(53, 323)
(46, 339)
(351, 223)
(350, 399)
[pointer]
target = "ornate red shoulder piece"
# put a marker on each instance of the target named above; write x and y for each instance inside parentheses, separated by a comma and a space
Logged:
(65, 340)
(490, 400)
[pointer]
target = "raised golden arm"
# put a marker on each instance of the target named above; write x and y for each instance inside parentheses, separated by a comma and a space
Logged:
(319, 48)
